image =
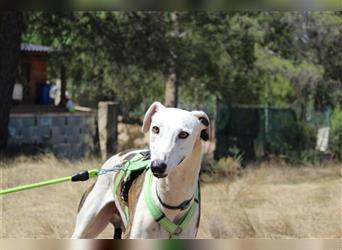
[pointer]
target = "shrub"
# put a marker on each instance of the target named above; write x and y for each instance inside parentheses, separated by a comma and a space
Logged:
(336, 133)
(224, 168)
(306, 136)
(296, 141)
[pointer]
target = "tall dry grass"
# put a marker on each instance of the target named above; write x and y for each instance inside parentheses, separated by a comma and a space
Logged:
(47, 212)
(268, 201)
(274, 201)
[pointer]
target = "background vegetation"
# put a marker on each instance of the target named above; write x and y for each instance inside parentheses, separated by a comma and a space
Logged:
(283, 59)
(240, 57)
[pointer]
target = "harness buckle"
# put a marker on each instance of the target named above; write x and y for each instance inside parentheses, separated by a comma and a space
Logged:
(177, 231)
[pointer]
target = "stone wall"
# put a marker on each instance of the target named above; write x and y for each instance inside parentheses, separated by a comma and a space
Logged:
(69, 135)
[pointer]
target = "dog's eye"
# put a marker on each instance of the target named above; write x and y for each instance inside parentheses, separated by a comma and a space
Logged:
(155, 130)
(183, 135)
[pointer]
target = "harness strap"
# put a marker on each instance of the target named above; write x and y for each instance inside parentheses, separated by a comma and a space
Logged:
(139, 161)
(172, 228)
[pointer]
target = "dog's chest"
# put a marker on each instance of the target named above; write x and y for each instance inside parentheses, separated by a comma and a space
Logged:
(143, 224)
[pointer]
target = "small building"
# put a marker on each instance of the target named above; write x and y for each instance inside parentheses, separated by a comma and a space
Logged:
(36, 121)
(32, 71)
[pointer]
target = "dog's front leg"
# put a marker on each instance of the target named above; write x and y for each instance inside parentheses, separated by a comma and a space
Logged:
(96, 211)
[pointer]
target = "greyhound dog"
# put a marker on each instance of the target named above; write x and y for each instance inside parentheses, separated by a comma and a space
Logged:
(176, 154)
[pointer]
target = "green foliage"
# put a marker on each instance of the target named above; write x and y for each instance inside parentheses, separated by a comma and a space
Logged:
(287, 80)
(296, 141)
(132, 88)
(336, 133)
(278, 91)
(306, 135)
(239, 57)
(231, 38)
(308, 41)
(118, 56)
(279, 58)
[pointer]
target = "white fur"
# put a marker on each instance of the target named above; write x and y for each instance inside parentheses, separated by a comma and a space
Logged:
(183, 159)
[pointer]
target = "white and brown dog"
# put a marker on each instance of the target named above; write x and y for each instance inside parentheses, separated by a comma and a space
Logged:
(176, 152)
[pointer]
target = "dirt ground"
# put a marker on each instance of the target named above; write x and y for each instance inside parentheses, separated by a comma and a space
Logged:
(267, 201)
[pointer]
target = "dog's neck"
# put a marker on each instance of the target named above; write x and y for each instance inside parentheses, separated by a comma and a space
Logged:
(180, 185)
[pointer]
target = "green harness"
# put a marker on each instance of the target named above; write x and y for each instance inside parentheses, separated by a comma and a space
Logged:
(138, 163)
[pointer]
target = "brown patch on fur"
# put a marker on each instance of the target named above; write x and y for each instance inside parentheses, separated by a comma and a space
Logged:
(133, 195)
(199, 208)
(199, 215)
(129, 157)
(116, 219)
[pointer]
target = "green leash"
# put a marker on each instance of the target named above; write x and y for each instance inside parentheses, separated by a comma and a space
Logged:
(80, 176)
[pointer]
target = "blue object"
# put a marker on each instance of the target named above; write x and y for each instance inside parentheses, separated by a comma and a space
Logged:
(44, 94)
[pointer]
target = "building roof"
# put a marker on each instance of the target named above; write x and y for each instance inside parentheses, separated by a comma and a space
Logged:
(28, 47)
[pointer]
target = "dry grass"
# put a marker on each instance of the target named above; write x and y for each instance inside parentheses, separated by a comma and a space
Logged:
(275, 202)
(266, 201)
(47, 212)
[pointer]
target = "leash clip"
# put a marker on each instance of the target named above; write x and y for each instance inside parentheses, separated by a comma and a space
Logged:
(102, 171)
(113, 169)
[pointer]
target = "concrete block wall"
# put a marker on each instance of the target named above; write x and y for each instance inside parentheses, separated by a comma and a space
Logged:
(69, 135)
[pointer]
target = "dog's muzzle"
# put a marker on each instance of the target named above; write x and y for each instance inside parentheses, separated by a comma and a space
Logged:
(158, 168)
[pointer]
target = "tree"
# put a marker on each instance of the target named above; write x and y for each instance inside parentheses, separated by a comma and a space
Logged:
(172, 79)
(223, 55)
(104, 48)
(238, 57)
(306, 44)
(11, 27)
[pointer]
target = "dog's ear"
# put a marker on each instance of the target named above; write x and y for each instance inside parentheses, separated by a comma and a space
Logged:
(155, 107)
(205, 121)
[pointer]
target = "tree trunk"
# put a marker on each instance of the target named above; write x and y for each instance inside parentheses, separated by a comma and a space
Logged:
(171, 85)
(171, 90)
(11, 26)
(63, 86)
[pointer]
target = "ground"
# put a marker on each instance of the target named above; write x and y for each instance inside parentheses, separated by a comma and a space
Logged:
(265, 201)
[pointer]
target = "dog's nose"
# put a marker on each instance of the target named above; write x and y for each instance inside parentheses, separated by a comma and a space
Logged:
(158, 167)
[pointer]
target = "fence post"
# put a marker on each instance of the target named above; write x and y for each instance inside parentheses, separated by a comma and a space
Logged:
(107, 126)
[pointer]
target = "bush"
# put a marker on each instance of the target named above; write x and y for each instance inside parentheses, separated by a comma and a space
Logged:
(336, 134)
(296, 142)
(228, 168)
(306, 136)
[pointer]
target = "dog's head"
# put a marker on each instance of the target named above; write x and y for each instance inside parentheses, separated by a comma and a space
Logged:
(173, 133)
